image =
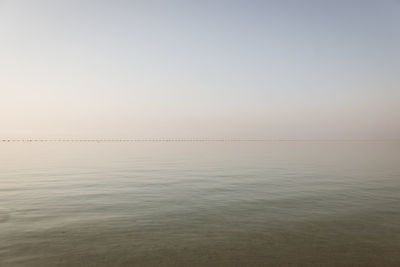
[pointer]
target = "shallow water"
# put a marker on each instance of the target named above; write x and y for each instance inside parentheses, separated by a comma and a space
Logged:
(200, 204)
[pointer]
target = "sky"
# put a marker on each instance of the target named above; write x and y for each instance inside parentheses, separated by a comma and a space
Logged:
(200, 69)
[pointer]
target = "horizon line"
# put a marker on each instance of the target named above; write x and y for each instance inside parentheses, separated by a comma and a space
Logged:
(206, 140)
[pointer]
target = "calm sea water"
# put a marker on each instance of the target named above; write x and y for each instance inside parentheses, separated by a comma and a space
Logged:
(200, 204)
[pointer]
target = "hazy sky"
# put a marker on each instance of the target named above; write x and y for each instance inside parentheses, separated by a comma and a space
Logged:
(243, 69)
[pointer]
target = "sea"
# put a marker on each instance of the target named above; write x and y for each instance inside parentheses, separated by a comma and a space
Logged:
(222, 203)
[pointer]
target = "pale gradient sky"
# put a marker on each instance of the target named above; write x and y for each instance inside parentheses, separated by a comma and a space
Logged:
(240, 69)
